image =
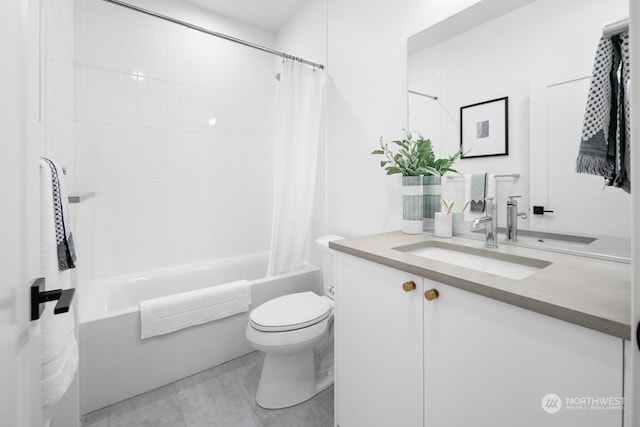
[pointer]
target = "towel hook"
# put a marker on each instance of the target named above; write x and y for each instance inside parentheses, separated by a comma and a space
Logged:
(39, 296)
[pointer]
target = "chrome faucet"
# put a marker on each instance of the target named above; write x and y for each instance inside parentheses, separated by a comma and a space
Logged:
(491, 223)
(512, 218)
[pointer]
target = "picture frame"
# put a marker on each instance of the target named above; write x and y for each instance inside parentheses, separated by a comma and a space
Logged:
(484, 128)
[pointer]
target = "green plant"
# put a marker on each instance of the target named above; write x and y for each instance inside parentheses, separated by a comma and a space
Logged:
(414, 157)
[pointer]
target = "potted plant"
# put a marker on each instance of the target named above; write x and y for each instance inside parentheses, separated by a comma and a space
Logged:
(421, 172)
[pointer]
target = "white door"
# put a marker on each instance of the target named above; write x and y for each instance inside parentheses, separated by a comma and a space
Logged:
(19, 249)
(635, 168)
(579, 202)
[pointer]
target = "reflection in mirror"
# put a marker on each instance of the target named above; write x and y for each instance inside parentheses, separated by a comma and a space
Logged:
(541, 56)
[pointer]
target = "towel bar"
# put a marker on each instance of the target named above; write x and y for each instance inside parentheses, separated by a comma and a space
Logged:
(39, 296)
(507, 175)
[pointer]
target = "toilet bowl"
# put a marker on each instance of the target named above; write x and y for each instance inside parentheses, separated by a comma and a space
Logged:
(295, 332)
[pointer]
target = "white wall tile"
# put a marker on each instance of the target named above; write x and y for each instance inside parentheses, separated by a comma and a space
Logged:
(187, 107)
(80, 42)
(160, 108)
(129, 86)
(130, 152)
(160, 52)
(96, 36)
(174, 154)
(153, 152)
(113, 97)
(112, 151)
(173, 105)
(170, 187)
(174, 57)
(146, 88)
(129, 60)
(113, 42)
(80, 92)
(96, 94)
(145, 48)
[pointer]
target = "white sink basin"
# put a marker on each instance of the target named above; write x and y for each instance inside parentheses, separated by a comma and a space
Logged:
(484, 260)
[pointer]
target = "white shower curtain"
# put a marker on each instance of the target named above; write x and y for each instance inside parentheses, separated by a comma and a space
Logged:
(297, 127)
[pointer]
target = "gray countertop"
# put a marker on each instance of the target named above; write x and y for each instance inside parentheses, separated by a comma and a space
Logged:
(593, 293)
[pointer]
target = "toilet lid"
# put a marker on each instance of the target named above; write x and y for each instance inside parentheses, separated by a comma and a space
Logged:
(289, 312)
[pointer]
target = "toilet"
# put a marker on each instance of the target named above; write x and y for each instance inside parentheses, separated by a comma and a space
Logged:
(295, 332)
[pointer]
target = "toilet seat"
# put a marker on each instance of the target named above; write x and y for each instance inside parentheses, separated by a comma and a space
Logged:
(290, 312)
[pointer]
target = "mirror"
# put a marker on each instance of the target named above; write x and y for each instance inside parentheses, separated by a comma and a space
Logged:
(539, 54)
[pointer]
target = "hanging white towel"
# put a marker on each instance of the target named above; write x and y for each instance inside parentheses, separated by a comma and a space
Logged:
(174, 312)
(59, 349)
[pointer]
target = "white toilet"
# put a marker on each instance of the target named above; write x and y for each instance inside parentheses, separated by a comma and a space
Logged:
(295, 332)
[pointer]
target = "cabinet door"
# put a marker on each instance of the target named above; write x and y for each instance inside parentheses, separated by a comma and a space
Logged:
(378, 333)
(489, 363)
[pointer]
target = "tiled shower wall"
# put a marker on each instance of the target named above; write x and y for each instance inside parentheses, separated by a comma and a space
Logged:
(172, 131)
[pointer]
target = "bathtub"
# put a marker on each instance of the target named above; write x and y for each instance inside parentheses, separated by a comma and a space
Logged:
(116, 364)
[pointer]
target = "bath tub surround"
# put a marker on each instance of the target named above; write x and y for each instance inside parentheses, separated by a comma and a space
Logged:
(116, 364)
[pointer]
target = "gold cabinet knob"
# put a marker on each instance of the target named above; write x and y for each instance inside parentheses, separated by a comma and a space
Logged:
(431, 294)
(409, 286)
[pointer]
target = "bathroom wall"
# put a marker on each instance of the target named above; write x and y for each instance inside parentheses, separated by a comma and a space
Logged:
(472, 67)
(367, 99)
(367, 44)
(172, 132)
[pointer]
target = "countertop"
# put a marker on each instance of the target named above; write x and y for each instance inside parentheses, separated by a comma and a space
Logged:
(589, 292)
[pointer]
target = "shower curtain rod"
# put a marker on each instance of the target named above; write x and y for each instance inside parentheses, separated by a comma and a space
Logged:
(213, 33)
(422, 94)
(615, 27)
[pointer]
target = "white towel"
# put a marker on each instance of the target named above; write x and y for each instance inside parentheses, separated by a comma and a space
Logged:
(174, 312)
(59, 349)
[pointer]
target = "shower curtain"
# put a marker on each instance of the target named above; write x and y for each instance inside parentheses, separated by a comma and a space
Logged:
(298, 116)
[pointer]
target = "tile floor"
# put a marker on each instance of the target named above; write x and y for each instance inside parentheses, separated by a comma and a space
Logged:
(221, 396)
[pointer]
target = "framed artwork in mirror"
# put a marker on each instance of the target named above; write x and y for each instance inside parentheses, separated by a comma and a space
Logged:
(484, 128)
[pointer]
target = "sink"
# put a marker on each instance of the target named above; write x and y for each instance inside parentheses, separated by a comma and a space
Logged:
(484, 260)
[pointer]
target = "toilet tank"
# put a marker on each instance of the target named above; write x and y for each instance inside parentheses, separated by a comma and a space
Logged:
(328, 262)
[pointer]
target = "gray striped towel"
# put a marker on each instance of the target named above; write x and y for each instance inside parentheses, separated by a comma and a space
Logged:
(605, 145)
(62, 216)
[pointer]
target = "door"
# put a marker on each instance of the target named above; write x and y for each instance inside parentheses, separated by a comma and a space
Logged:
(635, 165)
(20, 139)
(579, 202)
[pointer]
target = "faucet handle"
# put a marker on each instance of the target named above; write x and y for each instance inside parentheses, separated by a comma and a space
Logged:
(514, 197)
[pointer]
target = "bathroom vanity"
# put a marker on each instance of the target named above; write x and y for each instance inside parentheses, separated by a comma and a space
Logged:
(421, 341)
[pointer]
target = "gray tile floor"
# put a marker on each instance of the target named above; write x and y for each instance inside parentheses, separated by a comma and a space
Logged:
(223, 396)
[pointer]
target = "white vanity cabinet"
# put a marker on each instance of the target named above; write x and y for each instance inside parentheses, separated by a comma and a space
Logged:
(461, 359)
(488, 363)
(378, 346)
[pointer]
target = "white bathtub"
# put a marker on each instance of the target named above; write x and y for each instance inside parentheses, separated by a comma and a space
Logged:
(116, 364)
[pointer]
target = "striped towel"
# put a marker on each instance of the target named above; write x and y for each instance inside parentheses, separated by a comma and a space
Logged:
(62, 216)
(605, 145)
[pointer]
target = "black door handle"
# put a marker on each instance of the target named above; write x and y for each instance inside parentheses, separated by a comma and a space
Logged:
(39, 296)
(539, 210)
